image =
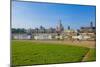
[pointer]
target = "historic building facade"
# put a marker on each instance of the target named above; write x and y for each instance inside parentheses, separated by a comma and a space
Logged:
(88, 33)
(58, 33)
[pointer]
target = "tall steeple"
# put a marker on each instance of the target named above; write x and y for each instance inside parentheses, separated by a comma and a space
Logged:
(59, 27)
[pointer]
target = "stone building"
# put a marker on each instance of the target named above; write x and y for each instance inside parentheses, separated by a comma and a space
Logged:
(21, 36)
(88, 33)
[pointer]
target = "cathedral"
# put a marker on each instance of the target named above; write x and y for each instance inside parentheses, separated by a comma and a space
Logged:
(51, 33)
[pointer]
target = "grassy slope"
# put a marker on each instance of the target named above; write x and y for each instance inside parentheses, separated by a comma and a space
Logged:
(28, 53)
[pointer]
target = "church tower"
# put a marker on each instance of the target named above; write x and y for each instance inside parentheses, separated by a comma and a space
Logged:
(59, 27)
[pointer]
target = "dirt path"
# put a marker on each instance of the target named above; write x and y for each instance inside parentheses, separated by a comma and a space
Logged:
(86, 56)
(89, 44)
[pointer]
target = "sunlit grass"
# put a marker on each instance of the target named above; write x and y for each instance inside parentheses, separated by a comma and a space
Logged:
(31, 53)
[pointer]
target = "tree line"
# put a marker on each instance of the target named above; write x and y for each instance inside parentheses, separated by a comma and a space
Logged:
(18, 30)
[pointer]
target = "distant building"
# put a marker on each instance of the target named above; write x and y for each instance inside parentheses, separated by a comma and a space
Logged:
(51, 33)
(69, 33)
(88, 33)
(59, 27)
(42, 33)
(44, 36)
(21, 36)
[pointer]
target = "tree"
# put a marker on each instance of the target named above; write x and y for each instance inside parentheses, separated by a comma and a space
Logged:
(18, 30)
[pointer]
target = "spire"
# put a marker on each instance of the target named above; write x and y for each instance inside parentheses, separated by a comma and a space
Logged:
(59, 27)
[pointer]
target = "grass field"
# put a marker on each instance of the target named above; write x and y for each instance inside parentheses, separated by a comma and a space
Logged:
(32, 53)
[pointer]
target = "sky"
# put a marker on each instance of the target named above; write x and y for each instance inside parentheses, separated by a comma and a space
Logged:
(32, 14)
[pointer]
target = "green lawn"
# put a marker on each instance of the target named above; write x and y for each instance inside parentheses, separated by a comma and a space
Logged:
(31, 53)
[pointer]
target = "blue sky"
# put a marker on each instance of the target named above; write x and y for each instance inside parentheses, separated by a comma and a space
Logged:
(31, 15)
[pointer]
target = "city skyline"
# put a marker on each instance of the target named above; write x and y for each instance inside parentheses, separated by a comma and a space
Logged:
(32, 15)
